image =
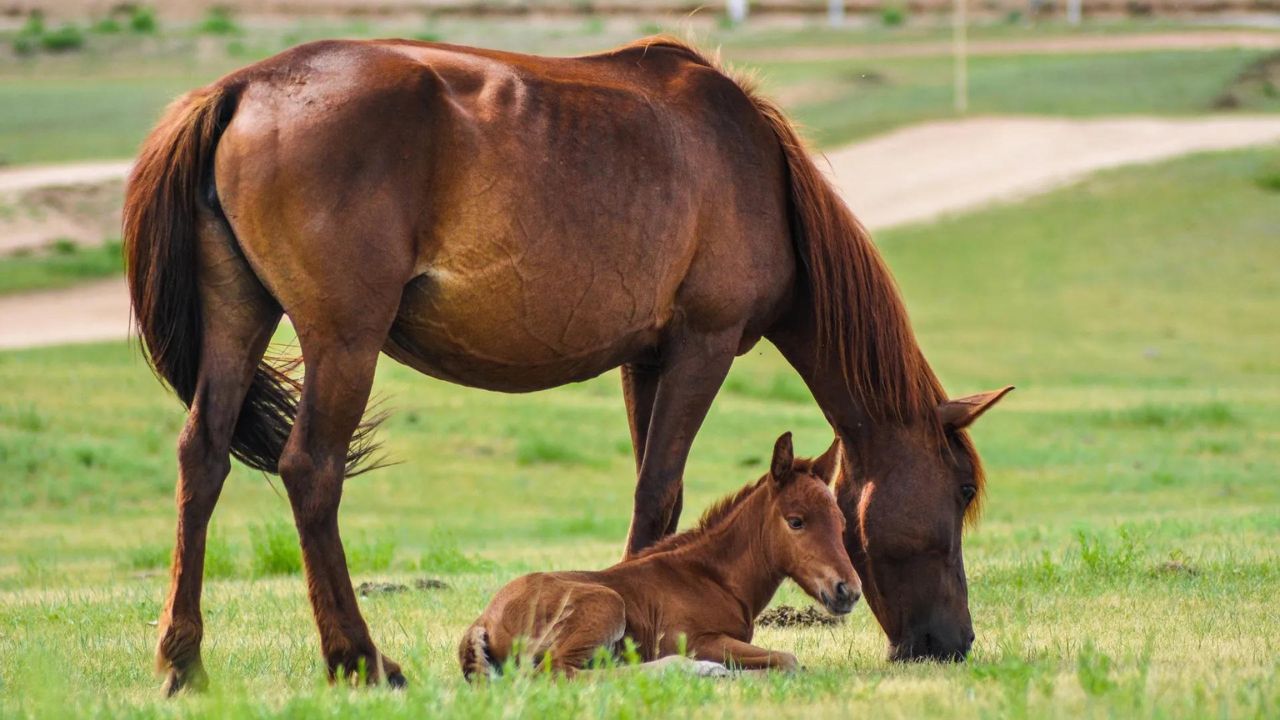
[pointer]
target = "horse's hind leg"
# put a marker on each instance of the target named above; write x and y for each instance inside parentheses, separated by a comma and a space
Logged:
(239, 318)
(340, 353)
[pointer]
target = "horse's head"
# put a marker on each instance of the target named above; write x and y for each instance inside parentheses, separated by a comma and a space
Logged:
(805, 529)
(907, 500)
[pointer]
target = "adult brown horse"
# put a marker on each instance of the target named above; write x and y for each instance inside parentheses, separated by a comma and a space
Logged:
(702, 588)
(518, 223)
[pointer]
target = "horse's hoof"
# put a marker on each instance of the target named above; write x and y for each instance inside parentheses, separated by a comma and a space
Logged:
(396, 681)
(191, 679)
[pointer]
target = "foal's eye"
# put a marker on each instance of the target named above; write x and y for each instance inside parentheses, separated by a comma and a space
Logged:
(968, 492)
(795, 523)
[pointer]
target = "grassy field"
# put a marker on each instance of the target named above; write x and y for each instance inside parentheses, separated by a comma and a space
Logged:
(1127, 564)
(100, 102)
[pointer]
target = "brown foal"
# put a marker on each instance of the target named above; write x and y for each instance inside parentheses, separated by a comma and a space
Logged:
(699, 591)
(516, 223)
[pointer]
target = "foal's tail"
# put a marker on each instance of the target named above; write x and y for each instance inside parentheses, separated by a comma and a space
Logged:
(170, 188)
(473, 654)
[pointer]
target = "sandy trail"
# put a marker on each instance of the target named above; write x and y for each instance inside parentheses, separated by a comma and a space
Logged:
(909, 175)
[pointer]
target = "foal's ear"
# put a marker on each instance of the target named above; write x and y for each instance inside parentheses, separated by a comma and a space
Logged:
(781, 468)
(826, 465)
(960, 413)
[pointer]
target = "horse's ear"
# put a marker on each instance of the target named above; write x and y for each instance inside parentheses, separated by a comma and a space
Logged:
(826, 465)
(960, 413)
(782, 466)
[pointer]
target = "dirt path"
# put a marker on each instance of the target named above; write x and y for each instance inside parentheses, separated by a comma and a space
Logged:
(923, 171)
(1188, 40)
(910, 175)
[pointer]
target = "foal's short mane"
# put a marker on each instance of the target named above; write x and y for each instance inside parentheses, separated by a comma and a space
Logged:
(717, 513)
(858, 309)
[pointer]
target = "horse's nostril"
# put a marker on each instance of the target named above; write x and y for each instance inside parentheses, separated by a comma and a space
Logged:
(842, 590)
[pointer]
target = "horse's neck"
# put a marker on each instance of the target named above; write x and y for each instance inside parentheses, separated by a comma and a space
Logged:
(738, 551)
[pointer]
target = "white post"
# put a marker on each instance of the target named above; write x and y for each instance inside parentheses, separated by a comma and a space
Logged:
(961, 51)
(1073, 12)
(737, 10)
(835, 13)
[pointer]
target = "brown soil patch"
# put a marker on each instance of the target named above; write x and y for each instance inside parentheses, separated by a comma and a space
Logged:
(785, 616)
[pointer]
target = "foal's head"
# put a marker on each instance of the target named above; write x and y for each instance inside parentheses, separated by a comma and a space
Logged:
(804, 528)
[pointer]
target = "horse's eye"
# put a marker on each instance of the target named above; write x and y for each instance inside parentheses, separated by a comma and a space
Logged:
(795, 523)
(968, 491)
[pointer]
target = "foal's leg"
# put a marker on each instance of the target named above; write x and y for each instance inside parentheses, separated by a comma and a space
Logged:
(592, 617)
(738, 654)
(339, 374)
(239, 318)
(694, 366)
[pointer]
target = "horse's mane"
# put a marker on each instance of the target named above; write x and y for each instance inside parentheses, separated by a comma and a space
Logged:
(857, 305)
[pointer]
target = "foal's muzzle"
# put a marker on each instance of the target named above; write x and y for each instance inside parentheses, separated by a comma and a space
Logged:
(840, 599)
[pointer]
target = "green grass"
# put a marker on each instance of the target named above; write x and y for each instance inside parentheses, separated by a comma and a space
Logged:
(839, 101)
(100, 102)
(64, 265)
(1126, 566)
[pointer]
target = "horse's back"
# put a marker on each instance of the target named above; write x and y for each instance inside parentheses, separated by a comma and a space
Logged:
(548, 217)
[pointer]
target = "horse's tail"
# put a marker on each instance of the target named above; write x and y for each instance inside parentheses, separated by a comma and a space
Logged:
(171, 184)
(474, 656)
(858, 310)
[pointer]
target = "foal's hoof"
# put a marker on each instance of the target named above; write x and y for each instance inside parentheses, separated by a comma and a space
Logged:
(707, 668)
(396, 681)
(193, 678)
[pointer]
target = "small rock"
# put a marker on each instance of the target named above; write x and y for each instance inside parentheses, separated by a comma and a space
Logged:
(430, 584)
(380, 588)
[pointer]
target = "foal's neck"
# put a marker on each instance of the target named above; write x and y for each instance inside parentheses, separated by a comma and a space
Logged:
(739, 552)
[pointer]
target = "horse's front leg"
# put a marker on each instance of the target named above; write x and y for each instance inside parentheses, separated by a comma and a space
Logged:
(741, 655)
(694, 366)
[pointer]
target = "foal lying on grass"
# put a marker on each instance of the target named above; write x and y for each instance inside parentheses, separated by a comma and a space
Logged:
(706, 585)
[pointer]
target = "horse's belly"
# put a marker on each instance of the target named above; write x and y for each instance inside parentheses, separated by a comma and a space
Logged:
(520, 330)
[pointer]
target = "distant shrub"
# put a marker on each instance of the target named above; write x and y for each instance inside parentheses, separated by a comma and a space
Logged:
(107, 26)
(64, 246)
(366, 554)
(219, 558)
(27, 39)
(1102, 557)
(219, 21)
(542, 450)
(1270, 180)
(443, 556)
(149, 557)
(892, 16)
(1093, 670)
(275, 549)
(34, 24)
(142, 20)
(1210, 414)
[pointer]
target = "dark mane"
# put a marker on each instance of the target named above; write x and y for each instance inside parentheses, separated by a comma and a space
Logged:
(857, 306)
